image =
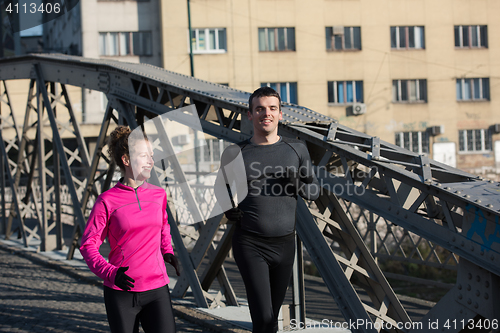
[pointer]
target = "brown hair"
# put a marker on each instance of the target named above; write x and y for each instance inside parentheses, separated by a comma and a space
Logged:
(263, 92)
(121, 140)
(118, 145)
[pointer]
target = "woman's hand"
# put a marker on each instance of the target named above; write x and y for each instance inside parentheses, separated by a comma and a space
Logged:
(172, 260)
(122, 280)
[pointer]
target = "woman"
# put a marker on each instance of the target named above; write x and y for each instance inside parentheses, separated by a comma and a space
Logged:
(132, 215)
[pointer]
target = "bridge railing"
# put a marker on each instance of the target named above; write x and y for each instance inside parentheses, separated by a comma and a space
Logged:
(419, 204)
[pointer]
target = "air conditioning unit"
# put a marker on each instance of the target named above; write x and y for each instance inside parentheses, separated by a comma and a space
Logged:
(180, 140)
(496, 128)
(356, 109)
(338, 30)
(436, 130)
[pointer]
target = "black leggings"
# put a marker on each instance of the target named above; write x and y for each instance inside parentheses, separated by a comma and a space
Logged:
(266, 266)
(152, 308)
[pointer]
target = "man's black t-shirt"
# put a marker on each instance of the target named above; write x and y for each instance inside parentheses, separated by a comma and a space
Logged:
(270, 206)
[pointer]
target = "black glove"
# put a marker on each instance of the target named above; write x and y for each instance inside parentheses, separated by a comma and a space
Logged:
(234, 214)
(172, 260)
(122, 280)
(295, 177)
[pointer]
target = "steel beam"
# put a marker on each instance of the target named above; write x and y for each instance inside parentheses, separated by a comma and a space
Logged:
(448, 207)
(59, 146)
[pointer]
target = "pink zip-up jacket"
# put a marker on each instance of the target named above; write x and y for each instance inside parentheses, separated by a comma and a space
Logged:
(135, 222)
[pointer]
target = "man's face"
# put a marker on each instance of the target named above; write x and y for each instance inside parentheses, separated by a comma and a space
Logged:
(265, 115)
(141, 160)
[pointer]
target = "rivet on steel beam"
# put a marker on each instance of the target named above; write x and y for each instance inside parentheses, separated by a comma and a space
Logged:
(462, 244)
(459, 287)
(469, 276)
(478, 201)
(458, 192)
(469, 301)
(472, 248)
(438, 184)
(469, 287)
(476, 305)
(492, 257)
(478, 278)
(467, 196)
(447, 188)
(487, 284)
(389, 208)
(489, 205)
(482, 252)
(453, 238)
(478, 293)
(486, 296)
(459, 296)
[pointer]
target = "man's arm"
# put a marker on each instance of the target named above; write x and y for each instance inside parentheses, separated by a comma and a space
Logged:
(231, 183)
(309, 187)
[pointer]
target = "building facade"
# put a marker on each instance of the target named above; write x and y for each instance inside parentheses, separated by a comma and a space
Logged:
(119, 30)
(421, 74)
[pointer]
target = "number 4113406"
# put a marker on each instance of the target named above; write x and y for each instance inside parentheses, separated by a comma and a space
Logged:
(34, 8)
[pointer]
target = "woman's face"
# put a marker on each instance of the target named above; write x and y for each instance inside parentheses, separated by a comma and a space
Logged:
(141, 161)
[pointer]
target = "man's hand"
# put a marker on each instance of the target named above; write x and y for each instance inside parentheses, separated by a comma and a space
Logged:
(172, 260)
(234, 214)
(295, 177)
(122, 280)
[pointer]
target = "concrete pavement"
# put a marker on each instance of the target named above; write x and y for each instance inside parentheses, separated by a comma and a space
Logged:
(44, 292)
(40, 294)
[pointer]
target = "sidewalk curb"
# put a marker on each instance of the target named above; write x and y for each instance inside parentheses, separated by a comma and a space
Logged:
(213, 323)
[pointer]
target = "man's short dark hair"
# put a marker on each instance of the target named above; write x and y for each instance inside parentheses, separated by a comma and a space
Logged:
(263, 92)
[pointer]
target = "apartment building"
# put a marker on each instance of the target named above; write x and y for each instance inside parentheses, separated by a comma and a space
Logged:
(421, 74)
(119, 30)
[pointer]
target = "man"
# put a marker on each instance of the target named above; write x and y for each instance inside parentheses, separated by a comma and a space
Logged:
(277, 169)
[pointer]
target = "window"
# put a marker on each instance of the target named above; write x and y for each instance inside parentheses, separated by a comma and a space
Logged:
(410, 91)
(468, 36)
(287, 90)
(276, 39)
(104, 101)
(211, 40)
(340, 38)
(407, 38)
(125, 43)
(417, 142)
(473, 89)
(210, 150)
(476, 140)
(344, 92)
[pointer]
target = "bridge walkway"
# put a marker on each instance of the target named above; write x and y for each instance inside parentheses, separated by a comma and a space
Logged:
(44, 266)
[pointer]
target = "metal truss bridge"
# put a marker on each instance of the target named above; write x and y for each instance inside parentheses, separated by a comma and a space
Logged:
(378, 201)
